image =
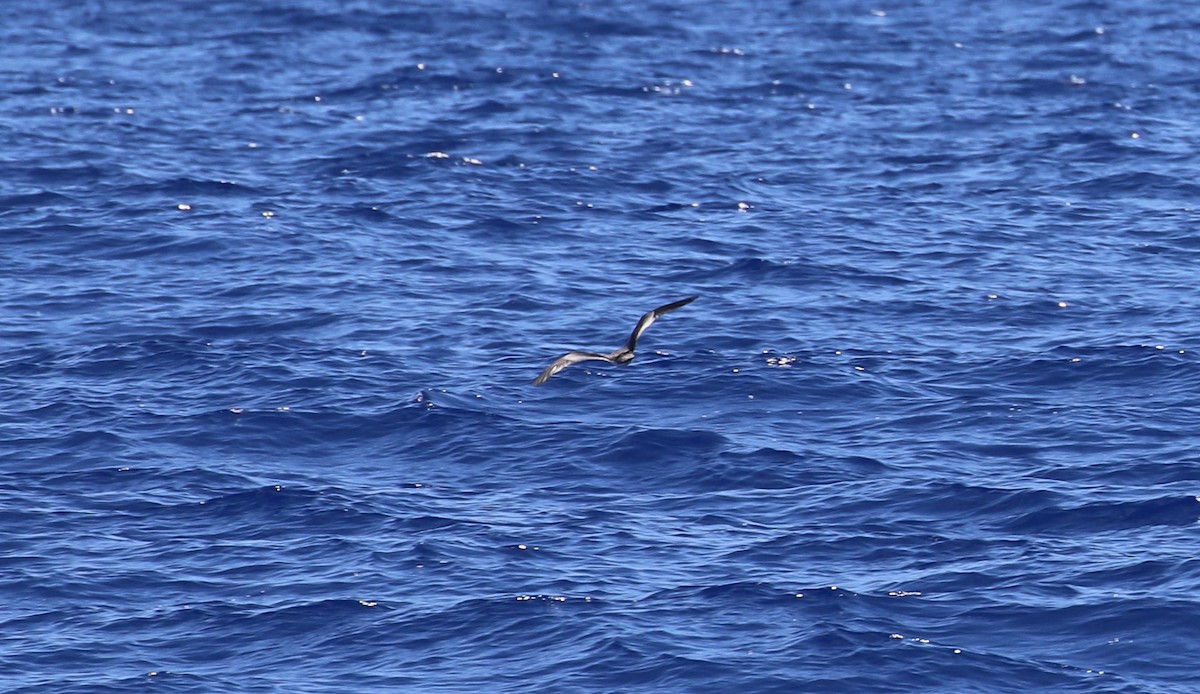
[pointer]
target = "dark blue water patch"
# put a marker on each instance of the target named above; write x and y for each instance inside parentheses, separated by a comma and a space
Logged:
(1134, 183)
(1147, 471)
(754, 270)
(1111, 516)
(248, 323)
(18, 203)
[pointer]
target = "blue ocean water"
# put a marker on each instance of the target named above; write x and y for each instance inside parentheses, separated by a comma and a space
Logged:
(277, 278)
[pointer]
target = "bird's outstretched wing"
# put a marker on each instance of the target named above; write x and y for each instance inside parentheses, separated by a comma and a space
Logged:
(566, 360)
(650, 317)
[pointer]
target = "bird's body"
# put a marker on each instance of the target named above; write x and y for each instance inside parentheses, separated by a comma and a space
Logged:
(624, 355)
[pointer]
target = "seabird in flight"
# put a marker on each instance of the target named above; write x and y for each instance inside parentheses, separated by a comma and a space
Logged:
(623, 355)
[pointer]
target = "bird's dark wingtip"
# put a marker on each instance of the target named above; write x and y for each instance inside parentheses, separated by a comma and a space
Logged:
(676, 304)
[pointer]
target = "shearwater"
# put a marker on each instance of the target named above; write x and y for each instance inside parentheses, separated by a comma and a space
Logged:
(623, 355)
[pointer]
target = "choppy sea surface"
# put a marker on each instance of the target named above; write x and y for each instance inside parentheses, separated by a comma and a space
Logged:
(276, 278)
